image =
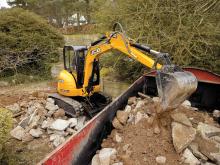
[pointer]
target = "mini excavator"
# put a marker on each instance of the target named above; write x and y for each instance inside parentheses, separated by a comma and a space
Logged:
(79, 83)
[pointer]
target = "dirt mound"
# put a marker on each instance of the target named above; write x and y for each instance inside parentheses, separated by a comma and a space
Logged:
(146, 138)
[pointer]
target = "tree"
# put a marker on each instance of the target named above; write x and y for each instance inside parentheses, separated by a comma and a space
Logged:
(28, 44)
(188, 30)
(56, 12)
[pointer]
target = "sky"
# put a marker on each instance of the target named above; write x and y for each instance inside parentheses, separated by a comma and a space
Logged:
(3, 3)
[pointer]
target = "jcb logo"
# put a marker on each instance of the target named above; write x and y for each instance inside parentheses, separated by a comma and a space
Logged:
(96, 51)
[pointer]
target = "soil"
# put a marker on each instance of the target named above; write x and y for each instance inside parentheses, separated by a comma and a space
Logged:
(145, 145)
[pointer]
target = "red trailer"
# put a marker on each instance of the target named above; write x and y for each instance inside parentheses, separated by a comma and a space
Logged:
(80, 148)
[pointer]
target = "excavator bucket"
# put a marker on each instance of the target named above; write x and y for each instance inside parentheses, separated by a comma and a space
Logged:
(175, 87)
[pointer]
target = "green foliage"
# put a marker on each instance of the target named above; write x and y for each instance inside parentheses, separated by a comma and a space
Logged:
(5, 127)
(57, 12)
(188, 30)
(28, 44)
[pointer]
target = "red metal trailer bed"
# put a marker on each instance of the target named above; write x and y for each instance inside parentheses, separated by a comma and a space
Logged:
(80, 148)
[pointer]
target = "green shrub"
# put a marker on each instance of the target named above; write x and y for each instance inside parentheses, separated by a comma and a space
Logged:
(5, 127)
(28, 44)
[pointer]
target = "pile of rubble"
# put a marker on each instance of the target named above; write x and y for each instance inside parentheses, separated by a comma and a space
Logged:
(142, 136)
(38, 117)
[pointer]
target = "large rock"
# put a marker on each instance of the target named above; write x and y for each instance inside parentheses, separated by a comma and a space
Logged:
(181, 118)
(194, 148)
(51, 107)
(59, 113)
(139, 106)
(106, 154)
(27, 137)
(58, 140)
(59, 125)
(117, 138)
(128, 108)
(216, 113)
(132, 100)
(50, 100)
(161, 159)
(139, 116)
(207, 130)
(33, 123)
(95, 160)
(24, 122)
(182, 136)
(14, 108)
(122, 116)
(36, 132)
(116, 124)
(80, 123)
(18, 132)
(186, 103)
(73, 122)
(207, 147)
(47, 123)
(189, 158)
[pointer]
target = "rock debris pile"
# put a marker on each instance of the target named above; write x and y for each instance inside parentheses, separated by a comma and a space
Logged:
(39, 117)
(141, 136)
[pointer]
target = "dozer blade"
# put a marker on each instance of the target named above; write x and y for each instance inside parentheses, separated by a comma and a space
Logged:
(175, 87)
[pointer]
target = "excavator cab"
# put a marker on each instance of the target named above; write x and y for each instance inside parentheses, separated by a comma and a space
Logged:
(74, 63)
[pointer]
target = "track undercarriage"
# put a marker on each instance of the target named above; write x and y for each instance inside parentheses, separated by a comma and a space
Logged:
(76, 106)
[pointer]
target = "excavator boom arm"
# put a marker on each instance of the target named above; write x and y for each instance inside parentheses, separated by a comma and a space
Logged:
(118, 42)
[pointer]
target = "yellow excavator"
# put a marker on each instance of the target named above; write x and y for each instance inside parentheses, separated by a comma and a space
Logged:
(79, 88)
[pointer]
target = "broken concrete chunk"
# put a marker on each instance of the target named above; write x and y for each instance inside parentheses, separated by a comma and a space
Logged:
(51, 107)
(59, 125)
(117, 138)
(122, 116)
(206, 146)
(194, 148)
(186, 103)
(116, 124)
(207, 131)
(161, 159)
(106, 154)
(53, 137)
(216, 113)
(36, 132)
(181, 118)
(47, 123)
(128, 109)
(139, 116)
(59, 113)
(139, 106)
(182, 136)
(80, 122)
(118, 163)
(18, 132)
(24, 122)
(73, 122)
(132, 100)
(95, 160)
(27, 137)
(156, 99)
(15, 108)
(190, 158)
(50, 100)
(58, 140)
(71, 131)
